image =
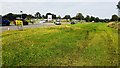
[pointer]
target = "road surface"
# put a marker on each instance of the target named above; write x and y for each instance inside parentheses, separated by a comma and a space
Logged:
(13, 27)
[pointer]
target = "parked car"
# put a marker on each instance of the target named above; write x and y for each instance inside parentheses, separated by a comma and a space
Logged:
(72, 22)
(43, 21)
(0, 21)
(24, 22)
(57, 23)
(4, 22)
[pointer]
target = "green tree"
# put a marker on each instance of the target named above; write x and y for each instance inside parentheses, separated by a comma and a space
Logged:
(28, 17)
(38, 15)
(59, 17)
(92, 19)
(79, 16)
(9, 16)
(97, 19)
(24, 16)
(54, 16)
(114, 18)
(43, 16)
(66, 17)
(87, 19)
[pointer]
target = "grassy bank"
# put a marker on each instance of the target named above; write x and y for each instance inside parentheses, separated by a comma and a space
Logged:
(73, 45)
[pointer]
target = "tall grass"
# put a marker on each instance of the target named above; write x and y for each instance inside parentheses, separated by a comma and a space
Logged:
(64, 45)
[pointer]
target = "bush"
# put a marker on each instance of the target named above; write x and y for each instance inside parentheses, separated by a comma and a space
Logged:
(82, 21)
(65, 20)
(113, 25)
(118, 25)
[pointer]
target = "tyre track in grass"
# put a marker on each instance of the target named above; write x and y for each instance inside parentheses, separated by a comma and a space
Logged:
(112, 50)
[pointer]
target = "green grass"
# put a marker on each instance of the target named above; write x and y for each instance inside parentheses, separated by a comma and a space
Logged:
(92, 44)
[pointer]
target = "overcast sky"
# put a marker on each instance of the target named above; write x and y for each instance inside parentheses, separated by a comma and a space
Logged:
(59, 0)
(97, 8)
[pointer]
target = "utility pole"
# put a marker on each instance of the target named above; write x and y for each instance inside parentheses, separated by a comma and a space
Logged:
(21, 13)
(118, 7)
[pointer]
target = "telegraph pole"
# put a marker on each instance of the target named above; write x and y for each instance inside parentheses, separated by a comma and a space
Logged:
(21, 13)
(118, 7)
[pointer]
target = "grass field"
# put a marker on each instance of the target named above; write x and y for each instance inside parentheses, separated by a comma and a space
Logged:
(92, 44)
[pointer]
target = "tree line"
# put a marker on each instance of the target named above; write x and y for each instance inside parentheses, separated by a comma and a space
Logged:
(79, 16)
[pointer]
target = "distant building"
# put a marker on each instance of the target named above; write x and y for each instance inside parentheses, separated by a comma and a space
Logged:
(49, 17)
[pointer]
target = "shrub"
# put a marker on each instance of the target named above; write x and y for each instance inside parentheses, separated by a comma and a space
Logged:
(113, 25)
(118, 25)
(65, 20)
(82, 21)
